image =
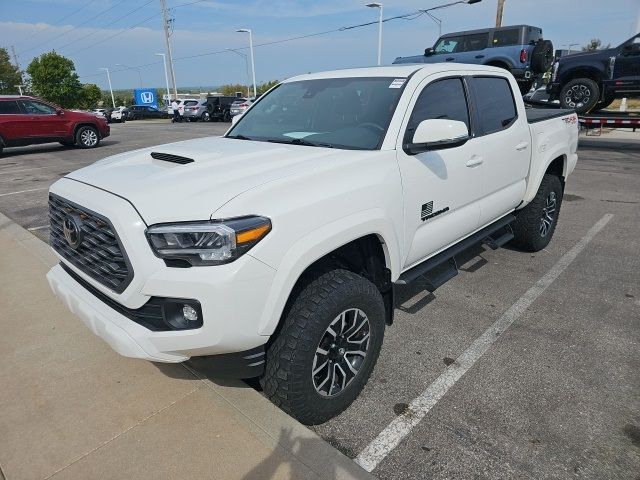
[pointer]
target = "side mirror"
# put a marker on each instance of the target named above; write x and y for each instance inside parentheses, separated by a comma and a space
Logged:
(235, 119)
(59, 112)
(437, 134)
(429, 51)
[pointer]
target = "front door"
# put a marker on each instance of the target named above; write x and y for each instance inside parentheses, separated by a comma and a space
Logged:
(627, 74)
(441, 188)
(44, 120)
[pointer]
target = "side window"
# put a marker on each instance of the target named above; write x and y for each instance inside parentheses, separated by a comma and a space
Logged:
(494, 103)
(9, 108)
(502, 38)
(448, 45)
(36, 108)
(473, 43)
(440, 99)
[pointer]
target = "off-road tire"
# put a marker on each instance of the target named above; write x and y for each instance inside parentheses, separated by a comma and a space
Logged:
(527, 226)
(87, 137)
(287, 380)
(605, 103)
(568, 100)
(226, 117)
(542, 56)
(206, 117)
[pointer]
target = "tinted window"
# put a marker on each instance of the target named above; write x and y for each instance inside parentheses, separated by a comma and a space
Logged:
(506, 37)
(472, 43)
(448, 45)
(190, 103)
(441, 99)
(9, 107)
(37, 108)
(494, 102)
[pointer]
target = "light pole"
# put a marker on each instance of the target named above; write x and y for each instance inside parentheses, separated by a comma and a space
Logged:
(438, 21)
(253, 64)
(378, 6)
(132, 68)
(246, 64)
(571, 45)
(19, 87)
(166, 75)
(113, 100)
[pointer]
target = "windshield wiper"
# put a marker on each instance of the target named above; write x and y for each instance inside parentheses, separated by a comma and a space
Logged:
(301, 141)
(239, 137)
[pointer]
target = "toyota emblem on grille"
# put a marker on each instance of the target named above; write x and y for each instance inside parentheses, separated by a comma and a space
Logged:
(72, 230)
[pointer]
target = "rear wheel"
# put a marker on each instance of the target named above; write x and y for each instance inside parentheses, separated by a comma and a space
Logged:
(327, 347)
(580, 94)
(226, 117)
(87, 137)
(535, 224)
(605, 102)
(206, 116)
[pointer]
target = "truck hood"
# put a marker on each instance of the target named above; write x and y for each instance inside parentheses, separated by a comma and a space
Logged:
(222, 168)
(580, 57)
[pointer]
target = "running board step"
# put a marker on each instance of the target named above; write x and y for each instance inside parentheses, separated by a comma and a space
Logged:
(439, 275)
(428, 265)
(496, 243)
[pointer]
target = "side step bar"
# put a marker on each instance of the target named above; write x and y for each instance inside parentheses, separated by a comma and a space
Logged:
(445, 273)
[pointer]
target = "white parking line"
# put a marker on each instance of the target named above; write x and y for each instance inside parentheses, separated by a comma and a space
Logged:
(402, 425)
(24, 191)
(27, 169)
(33, 229)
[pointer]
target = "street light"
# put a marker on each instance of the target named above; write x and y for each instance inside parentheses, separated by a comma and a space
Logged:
(437, 20)
(246, 64)
(569, 46)
(253, 65)
(113, 100)
(132, 68)
(166, 75)
(19, 87)
(379, 6)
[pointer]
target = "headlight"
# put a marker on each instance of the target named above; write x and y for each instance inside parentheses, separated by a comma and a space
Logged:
(207, 243)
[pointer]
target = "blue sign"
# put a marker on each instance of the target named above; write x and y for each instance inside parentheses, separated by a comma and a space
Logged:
(146, 96)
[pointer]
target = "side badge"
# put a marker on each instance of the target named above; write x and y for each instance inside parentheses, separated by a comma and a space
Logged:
(427, 211)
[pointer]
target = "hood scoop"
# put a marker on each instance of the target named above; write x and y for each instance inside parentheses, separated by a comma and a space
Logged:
(170, 157)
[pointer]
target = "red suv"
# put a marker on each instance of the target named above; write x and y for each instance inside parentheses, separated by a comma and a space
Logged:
(27, 120)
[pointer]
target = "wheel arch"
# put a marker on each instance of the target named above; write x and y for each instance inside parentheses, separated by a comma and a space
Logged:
(584, 71)
(556, 164)
(372, 252)
(79, 125)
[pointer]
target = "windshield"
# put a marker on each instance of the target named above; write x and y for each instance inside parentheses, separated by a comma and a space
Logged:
(349, 113)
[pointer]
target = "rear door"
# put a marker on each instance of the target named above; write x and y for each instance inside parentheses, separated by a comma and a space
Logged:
(442, 188)
(14, 124)
(505, 137)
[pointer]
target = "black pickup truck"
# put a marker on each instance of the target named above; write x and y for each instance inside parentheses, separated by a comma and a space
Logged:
(593, 80)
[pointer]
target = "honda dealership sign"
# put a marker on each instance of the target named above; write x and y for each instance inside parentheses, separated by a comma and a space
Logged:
(146, 96)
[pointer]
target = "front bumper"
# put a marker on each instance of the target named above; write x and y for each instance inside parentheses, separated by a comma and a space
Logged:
(231, 296)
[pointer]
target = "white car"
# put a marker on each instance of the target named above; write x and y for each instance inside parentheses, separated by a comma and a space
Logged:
(117, 114)
(275, 248)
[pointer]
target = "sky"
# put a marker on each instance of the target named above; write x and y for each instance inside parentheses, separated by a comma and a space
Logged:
(126, 33)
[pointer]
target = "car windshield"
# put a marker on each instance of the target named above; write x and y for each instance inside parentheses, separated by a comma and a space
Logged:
(349, 113)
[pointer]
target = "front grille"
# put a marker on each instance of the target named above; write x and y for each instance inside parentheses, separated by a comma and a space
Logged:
(99, 254)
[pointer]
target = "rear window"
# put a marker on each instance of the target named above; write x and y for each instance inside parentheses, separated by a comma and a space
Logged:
(9, 108)
(190, 103)
(494, 102)
(510, 36)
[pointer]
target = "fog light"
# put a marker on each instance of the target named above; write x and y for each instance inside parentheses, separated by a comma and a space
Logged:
(189, 313)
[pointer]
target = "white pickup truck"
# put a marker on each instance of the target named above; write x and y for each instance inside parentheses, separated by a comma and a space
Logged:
(273, 251)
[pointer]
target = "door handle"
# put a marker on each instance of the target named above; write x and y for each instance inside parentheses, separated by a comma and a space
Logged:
(522, 146)
(479, 56)
(474, 161)
(449, 59)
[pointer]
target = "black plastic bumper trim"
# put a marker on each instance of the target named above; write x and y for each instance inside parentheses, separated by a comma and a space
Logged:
(238, 365)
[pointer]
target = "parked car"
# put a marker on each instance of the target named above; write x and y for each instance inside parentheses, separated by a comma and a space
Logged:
(240, 106)
(139, 112)
(103, 112)
(593, 80)
(219, 107)
(118, 114)
(28, 120)
(520, 49)
(274, 249)
(196, 110)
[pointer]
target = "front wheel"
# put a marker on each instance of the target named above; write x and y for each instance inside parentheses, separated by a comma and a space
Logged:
(580, 94)
(535, 224)
(87, 137)
(327, 347)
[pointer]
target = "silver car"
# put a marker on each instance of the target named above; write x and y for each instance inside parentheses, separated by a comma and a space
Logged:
(195, 110)
(240, 106)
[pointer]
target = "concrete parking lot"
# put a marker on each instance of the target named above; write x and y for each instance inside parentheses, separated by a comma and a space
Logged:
(553, 394)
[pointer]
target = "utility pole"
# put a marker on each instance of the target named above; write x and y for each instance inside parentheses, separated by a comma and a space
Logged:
(499, 13)
(165, 24)
(15, 57)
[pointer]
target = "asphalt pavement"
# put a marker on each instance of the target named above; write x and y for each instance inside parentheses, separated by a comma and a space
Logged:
(555, 394)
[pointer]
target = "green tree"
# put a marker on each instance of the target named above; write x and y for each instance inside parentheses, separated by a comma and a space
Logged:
(91, 95)
(10, 76)
(263, 87)
(54, 78)
(231, 89)
(594, 44)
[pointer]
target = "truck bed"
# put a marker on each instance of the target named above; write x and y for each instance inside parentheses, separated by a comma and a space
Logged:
(535, 115)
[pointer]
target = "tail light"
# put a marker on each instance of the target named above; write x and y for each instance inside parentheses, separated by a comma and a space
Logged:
(523, 55)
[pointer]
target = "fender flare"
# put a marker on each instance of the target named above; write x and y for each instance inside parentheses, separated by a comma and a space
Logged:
(535, 176)
(334, 235)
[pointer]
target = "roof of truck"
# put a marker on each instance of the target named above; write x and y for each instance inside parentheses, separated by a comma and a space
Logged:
(392, 71)
(485, 30)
